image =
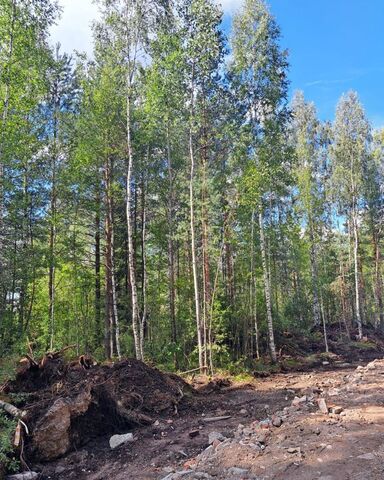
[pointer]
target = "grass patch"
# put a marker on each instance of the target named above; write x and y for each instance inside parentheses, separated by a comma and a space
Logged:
(363, 345)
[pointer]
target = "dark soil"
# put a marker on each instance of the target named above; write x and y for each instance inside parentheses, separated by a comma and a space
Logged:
(165, 413)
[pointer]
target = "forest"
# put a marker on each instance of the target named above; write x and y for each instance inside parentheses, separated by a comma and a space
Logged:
(166, 198)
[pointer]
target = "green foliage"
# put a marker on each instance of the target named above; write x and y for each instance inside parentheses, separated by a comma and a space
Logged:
(261, 167)
(8, 457)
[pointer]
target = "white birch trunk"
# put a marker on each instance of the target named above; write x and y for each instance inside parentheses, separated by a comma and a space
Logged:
(267, 289)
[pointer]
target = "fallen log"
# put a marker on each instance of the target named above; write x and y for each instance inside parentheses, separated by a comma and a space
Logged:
(12, 410)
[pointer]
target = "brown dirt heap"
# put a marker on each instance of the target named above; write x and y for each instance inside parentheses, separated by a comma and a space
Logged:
(68, 405)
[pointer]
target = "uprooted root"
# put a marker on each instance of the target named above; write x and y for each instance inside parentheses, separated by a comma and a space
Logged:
(68, 404)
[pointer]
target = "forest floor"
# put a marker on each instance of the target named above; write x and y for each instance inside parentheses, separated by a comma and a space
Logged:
(276, 430)
(315, 416)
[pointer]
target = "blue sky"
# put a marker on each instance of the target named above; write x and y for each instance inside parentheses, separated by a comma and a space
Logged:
(334, 45)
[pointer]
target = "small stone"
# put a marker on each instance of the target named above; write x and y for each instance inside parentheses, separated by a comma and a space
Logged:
(277, 421)
(244, 412)
(367, 456)
(336, 410)
(299, 400)
(215, 436)
(261, 438)
(371, 366)
(237, 471)
(294, 450)
(117, 440)
(194, 433)
(325, 363)
(216, 443)
(322, 406)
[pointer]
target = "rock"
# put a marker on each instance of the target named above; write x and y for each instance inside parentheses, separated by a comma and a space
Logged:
(244, 412)
(181, 474)
(277, 421)
(371, 366)
(299, 400)
(336, 410)
(325, 363)
(51, 436)
(215, 436)
(194, 433)
(236, 471)
(261, 438)
(294, 450)
(117, 440)
(247, 432)
(322, 406)
(367, 456)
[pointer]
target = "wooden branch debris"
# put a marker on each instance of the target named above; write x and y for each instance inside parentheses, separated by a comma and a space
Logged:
(216, 419)
(17, 437)
(23, 476)
(12, 410)
(191, 371)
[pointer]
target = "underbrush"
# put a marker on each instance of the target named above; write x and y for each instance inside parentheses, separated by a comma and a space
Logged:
(8, 458)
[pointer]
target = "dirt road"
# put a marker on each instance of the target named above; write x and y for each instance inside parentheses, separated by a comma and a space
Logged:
(276, 430)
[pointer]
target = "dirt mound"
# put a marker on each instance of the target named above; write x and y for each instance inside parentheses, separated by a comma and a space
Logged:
(68, 405)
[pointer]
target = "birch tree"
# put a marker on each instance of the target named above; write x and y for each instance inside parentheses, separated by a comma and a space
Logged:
(351, 132)
(258, 71)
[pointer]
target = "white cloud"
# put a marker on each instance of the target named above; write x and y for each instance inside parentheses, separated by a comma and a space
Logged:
(230, 6)
(74, 32)
(73, 29)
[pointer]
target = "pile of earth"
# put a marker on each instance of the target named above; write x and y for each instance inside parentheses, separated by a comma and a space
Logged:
(67, 405)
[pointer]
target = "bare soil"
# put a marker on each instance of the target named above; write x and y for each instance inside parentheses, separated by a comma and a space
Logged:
(308, 445)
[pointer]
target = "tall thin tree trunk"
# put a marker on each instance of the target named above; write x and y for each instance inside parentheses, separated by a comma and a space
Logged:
(171, 249)
(109, 300)
(314, 275)
(193, 240)
(131, 252)
(52, 231)
(343, 299)
(253, 291)
(356, 271)
(143, 319)
(324, 324)
(206, 269)
(267, 289)
(98, 327)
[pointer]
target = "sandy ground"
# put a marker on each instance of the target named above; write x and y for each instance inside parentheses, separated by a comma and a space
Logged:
(309, 444)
